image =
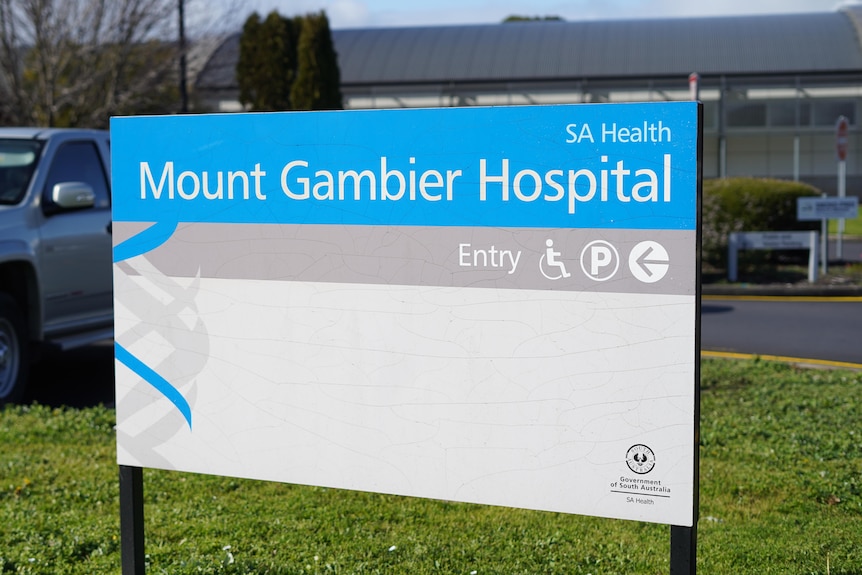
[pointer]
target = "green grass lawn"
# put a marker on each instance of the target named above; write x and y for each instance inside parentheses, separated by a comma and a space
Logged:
(781, 475)
(851, 227)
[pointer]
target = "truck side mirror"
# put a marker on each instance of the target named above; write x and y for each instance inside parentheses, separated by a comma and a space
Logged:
(71, 196)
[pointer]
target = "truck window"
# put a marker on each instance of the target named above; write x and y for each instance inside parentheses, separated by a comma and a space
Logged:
(79, 162)
(17, 160)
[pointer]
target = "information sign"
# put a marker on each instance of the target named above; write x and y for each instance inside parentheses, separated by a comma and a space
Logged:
(489, 305)
(794, 240)
(826, 208)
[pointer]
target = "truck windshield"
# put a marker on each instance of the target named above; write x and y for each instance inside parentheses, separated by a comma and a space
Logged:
(17, 162)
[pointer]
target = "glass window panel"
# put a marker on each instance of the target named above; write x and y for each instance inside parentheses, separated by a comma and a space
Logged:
(748, 115)
(710, 113)
(827, 113)
(783, 114)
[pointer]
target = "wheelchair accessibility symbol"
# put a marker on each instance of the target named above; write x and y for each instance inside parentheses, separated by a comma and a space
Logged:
(551, 267)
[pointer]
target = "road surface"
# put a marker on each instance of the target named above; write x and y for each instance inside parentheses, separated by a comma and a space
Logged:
(812, 328)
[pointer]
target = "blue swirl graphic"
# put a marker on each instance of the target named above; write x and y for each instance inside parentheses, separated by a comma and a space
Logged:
(147, 240)
(160, 383)
(141, 243)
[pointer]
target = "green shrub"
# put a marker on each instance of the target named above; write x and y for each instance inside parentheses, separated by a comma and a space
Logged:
(748, 205)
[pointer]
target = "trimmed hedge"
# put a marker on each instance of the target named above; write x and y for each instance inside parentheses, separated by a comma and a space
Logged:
(749, 205)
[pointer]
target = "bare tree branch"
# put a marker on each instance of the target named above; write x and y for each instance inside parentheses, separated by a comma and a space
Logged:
(77, 62)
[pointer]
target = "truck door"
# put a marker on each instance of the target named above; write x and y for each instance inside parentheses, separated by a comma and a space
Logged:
(76, 244)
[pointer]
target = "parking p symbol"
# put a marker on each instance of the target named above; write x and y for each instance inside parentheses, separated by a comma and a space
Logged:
(600, 257)
(600, 260)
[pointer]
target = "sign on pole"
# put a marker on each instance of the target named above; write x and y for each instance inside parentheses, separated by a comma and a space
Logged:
(488, 305)
(694, 86)
(813, 208)
(842, 128)
(825, 208)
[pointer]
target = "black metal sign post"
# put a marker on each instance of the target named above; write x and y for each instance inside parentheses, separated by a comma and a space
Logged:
(683, 550)
(683, 540)
(132, 520)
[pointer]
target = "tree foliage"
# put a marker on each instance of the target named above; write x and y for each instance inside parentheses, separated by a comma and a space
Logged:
(248, 61)
(318, 80)
(77, 62)
(288, 64)
(267, 57)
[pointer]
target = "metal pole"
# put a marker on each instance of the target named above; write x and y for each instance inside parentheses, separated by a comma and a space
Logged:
(683, 554)
(842, 192)
(796, 134)
(132, 520)
(812, 257)
(824, 246)
(184, 95)
(842, 129)
(732, 256)
(722, 133)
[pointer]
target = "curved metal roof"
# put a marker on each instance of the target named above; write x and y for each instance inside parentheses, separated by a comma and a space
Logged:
(616, 49)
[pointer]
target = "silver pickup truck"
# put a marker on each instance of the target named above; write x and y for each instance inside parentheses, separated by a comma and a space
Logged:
(55, 246)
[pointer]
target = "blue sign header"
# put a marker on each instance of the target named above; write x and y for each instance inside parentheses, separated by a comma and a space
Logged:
(620, 166)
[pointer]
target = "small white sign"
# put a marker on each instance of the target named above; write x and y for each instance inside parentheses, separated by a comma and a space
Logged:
(773, 240)
(826, 208)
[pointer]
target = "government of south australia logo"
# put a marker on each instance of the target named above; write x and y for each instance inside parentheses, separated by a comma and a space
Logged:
(640, 459)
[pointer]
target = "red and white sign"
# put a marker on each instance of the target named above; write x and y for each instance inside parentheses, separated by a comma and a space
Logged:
(842, 127)
(694, 86)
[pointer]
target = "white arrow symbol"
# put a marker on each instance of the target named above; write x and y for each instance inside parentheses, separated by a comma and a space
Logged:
(649, 261)
(641, 261)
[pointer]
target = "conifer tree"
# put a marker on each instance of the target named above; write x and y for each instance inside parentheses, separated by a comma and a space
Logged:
(248, 64)
(288, 64)
(318, 79)
(266, 68)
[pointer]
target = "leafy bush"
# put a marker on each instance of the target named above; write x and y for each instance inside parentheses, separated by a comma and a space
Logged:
(748, 205)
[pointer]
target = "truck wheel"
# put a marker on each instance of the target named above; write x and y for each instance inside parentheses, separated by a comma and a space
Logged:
(14, 357)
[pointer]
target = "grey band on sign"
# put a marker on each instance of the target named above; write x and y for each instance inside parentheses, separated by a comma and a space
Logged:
(594, 260)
